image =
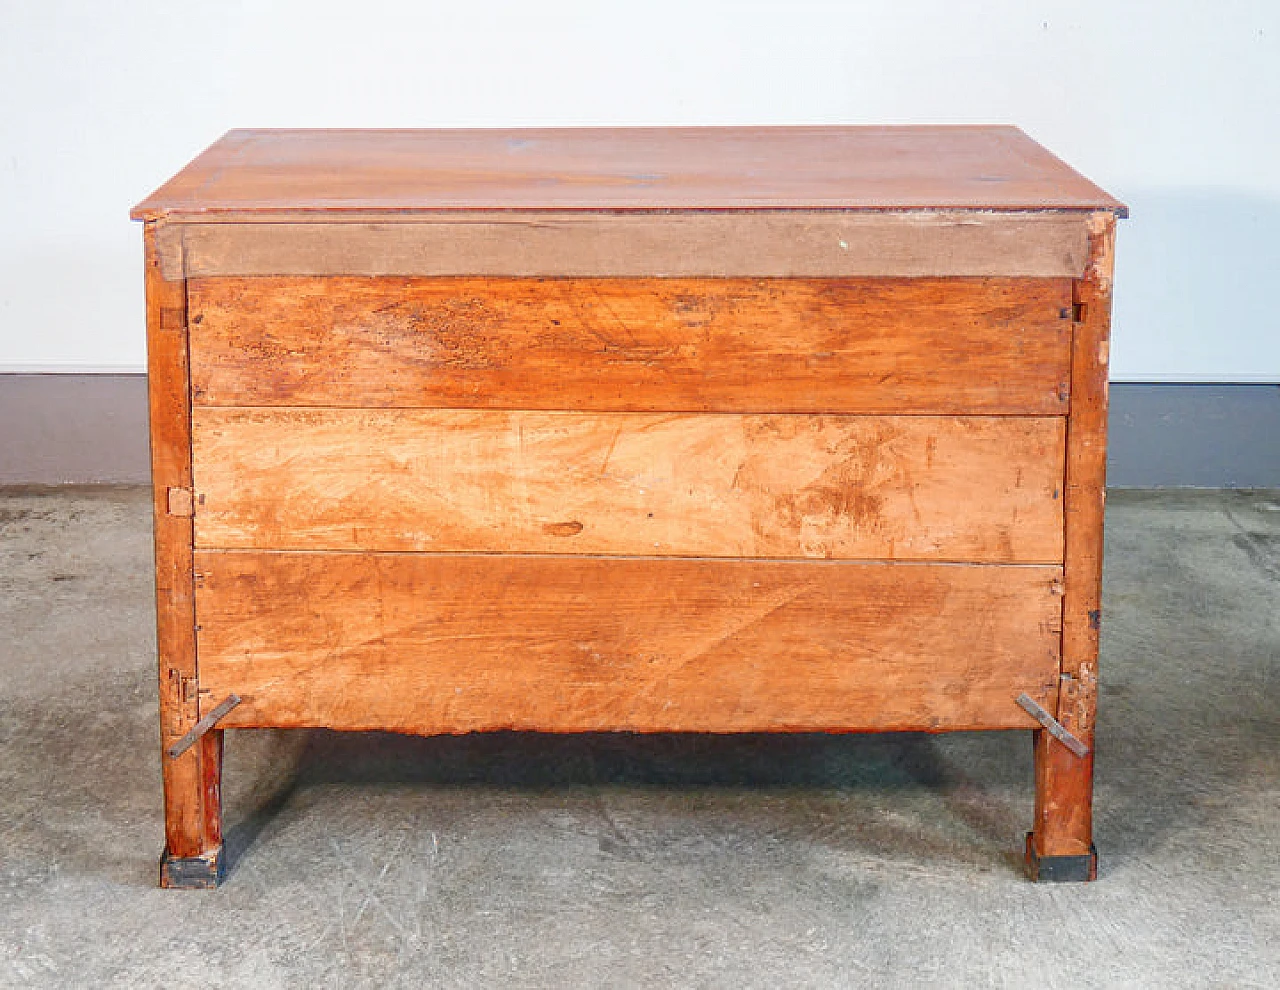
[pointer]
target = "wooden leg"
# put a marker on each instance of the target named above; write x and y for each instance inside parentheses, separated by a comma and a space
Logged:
(193, 780)
(1061, 846)
(193, 856)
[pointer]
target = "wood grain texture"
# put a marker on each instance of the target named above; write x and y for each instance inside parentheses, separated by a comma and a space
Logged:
(648, 484)
(629, 168)
(643, 429)
(193, 819)
(1064, 782)
(430, 643)
(757, 243)
(730, 345)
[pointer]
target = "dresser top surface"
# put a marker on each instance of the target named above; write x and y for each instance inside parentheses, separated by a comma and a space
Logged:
(632, 169)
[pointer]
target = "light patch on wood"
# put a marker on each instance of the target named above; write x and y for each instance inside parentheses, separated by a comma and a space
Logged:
(906, 488)
(1101, 255)
(181, 502)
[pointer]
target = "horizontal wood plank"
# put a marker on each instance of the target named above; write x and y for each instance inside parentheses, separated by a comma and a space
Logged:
(441, 644)
(762, 244)
(661, 484)
(741, 345)
(623, 168)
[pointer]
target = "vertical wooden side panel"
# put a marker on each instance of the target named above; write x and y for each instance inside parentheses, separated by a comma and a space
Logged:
(1064, 782)
(191, 781)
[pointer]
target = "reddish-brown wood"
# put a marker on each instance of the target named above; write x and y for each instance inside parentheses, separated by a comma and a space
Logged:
(744, 318)
(926, 345)
(633, 168)
(193, 826)
(457, 643)
(978, 488)
(1064, 782)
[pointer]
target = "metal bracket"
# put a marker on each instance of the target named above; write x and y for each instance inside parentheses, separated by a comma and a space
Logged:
(1052, 725)
(203, 726)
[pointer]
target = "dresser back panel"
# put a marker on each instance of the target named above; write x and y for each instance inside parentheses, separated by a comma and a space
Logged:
(662, 484)
(858, 345)
(835, 244)
(446, 643)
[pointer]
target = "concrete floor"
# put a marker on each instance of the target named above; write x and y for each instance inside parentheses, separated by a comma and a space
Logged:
(517, 861)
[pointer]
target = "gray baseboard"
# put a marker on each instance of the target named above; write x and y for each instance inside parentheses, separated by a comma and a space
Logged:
(92, 429)
(1194, 436)
(73, 429)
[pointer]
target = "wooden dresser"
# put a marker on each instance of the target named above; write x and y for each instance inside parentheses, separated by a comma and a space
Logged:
(647, 430)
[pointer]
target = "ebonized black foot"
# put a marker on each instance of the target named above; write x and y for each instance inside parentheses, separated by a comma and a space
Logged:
(193, 872)
(1061, 869)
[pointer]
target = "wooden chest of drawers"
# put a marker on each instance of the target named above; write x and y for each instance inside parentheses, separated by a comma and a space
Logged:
(715, 430)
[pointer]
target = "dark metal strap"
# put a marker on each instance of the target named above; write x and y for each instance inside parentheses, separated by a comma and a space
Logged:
(203, 726)
(1052, 726)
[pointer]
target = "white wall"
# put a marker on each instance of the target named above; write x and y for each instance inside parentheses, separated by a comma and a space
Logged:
(1173, 106)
